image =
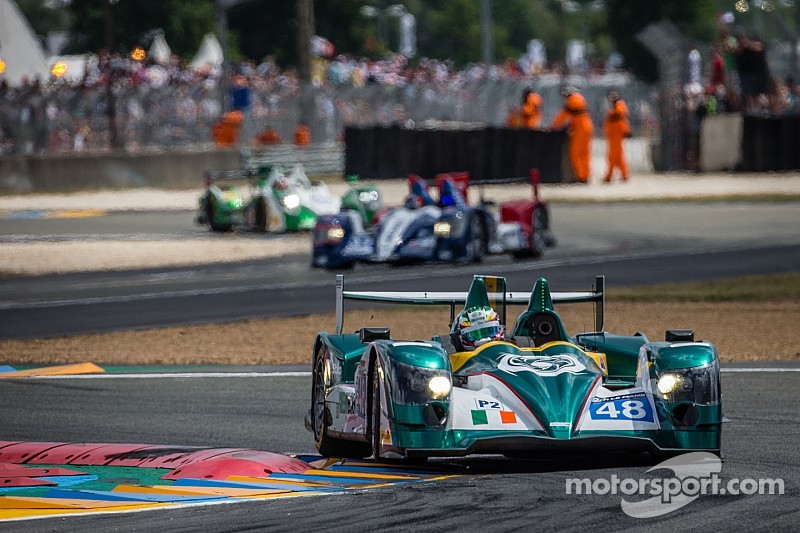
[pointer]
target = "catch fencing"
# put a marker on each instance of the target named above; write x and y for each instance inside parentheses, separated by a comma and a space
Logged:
(64, 119)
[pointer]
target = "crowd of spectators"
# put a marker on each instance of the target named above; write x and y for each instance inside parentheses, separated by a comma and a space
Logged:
(736, 78)
(125, 103)
(121, 102)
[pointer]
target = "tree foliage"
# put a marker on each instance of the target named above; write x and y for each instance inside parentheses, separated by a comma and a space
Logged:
(135, 22)
(446, 29)
(625, 19)
(44, 17)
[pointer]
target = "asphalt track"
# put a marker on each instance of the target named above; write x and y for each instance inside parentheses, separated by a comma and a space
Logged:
(646, 243)
(629, 243)
(490, 494)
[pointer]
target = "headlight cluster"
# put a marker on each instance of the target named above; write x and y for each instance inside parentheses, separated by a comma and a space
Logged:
(452, 227)
(335, 234)
(442, 229)
(371, 200)
(413, 385)
(698, 385)
(233, 199)
(291, 202)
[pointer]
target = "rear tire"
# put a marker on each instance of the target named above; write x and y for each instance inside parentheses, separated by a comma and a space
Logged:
(539, 224)
(477, 241)
(327, 445)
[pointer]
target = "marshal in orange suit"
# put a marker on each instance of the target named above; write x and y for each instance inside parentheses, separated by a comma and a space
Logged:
(575, 116)
(531, 109)
(616, 127)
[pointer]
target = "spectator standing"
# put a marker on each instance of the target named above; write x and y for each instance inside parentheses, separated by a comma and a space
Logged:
(617, 128)
(763, 84)
(574, 116)
(717, 67)
(695, 65)
(240, 101)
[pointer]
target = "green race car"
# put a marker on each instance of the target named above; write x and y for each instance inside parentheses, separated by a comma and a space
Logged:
(269, 200)
(534, 390)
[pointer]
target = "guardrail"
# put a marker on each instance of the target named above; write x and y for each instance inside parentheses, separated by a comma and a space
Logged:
(318, 158)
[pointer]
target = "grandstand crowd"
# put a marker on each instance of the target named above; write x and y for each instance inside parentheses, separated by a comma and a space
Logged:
(172, 105)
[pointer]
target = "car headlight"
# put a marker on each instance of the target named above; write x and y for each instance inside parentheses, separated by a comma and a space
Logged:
(414, 385)
(371, 200)
(442, 229)
(291, 202)
(697, 385)
(440, 386)
(670, 381)
(335, 234)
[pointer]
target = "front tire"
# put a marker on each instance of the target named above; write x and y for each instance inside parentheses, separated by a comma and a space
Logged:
(375, 412)
(320, 418)
(262, 216)
(211, 213)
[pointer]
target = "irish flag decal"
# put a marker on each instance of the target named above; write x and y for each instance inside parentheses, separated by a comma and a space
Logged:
(508, 417)
(481, 418)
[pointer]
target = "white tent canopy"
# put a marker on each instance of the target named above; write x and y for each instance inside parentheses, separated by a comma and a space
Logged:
(20, 49)
(160, 50)
(209, 54)
(76, 65)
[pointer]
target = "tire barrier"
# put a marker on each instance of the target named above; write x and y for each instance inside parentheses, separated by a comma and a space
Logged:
(770, 144)
(486, 153)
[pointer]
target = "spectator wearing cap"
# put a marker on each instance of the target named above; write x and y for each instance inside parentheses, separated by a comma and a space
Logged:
(574, 116)
(617, 128)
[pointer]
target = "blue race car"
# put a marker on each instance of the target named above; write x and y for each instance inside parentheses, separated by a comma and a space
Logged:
(423, 229)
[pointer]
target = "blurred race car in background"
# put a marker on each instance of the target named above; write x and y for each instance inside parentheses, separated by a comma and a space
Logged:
(530, 390)
(269, 200)
(447, 228)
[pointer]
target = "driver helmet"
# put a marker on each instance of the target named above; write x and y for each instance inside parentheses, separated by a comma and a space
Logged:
(281, 184)
(479, 325)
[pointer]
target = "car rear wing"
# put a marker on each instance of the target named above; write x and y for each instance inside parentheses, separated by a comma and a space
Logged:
(463, 182)
(596, 296)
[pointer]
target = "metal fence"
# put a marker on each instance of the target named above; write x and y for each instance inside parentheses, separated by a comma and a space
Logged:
(50, 119)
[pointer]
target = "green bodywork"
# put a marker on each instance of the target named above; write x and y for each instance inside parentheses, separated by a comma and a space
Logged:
(557, 401)
(351, 200)
(244, 205)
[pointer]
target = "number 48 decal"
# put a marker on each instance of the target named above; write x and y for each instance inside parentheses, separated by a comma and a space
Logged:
(622, 409)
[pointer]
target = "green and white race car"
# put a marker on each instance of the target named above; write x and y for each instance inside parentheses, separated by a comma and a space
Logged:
(269, 200)
(536, 389)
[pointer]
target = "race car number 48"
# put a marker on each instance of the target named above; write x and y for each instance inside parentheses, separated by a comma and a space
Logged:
(622, 409)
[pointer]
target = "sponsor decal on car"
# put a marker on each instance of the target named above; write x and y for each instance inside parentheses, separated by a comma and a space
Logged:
(488, 404)
(541, 365)
(623, 407)
(481, 417)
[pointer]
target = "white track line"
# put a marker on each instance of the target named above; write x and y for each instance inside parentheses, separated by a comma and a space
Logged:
(181, 375)
(301, 374)
(760, 369)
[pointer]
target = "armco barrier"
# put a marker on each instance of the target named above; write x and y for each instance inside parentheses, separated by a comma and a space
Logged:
(74, 173)
(486, 153)
(319, 158)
